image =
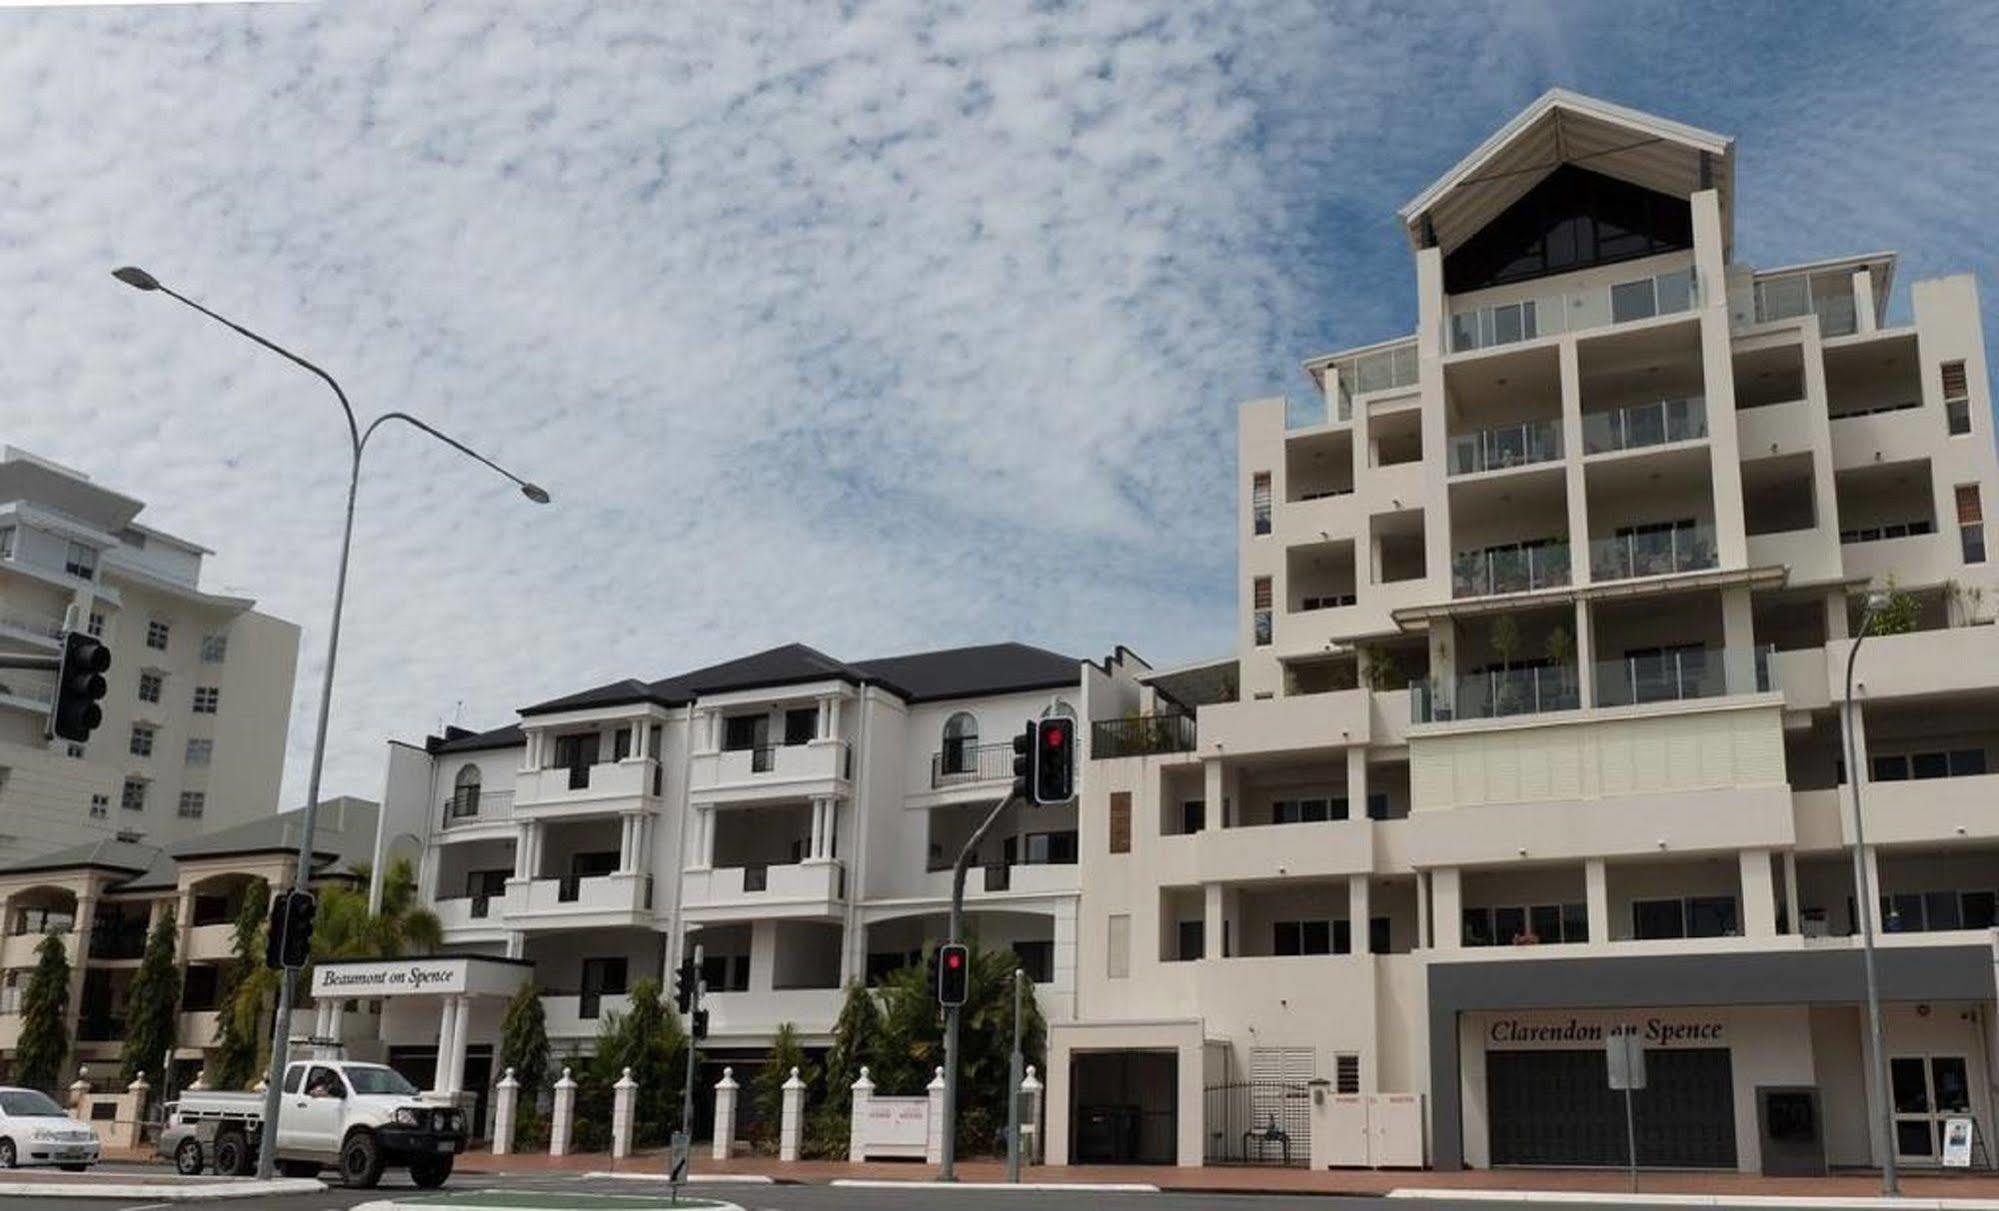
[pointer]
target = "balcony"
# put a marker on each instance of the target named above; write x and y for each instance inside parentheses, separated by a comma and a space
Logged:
(477, 912)
(573, 1016)
(1678, 675)
(1640, 425)
(1521, 569)
(1142, 736)
(557, 786)
(468, 806)
(19, 950)
(754, 773)
(117, 940)
(761, 1011)
(793, 889)
(31, 690)
(100, 1028)
(573, 895)
(1575, 311)
(1018, 879)
(1283, 725)
(1519, 445)
(198, 1027)
(1655, 551)
(32, 628)
(958, 765)
(211, 943)
(1495, 695)
(1828, 296)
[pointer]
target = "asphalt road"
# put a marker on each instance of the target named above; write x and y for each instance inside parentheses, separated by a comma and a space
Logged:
(817, 1198)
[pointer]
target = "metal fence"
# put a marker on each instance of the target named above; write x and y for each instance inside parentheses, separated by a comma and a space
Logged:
(1258, 1123)
(1142, 735)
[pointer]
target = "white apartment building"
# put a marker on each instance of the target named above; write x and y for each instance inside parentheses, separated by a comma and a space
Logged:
(194, 727)
(1533, 731)
(794, 815)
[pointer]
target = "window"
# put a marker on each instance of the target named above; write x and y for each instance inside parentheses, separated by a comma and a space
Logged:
(959, 754)
(100, 806)
(1117, 947)
(1120, 822)
(621, 744)
(1259, 502)
(96, 625)
(1693, 917)
(1303, 938)
(1956, 398)
(156, 635)
(76, 751)
(292, 1078)
(6, 542)
(133, 797)
(149, 687)
(206, 699)
(142, 740)
(1037, 959)
(1191, 938)
(1193, 815)
(1051, 849)
(741, 732)
(801, 725)
(1346, 1073)
(1526, 924)
(191, 803)
(1259, 592)
(200, 752)
(81, 561)
(1572, 219)
(1901, 767)
(214, 648)
(1970, 524)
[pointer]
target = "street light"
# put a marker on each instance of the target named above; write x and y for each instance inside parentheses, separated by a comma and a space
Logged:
(1864, 902)
(358, 437)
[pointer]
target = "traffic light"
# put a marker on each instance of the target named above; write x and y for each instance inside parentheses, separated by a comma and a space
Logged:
(299, 916)
(274, 931)
(930, 966)
(1023, 763)
(79, 684)
(700, 1026)
(686, 983)
(954, 971)
(1055, 760)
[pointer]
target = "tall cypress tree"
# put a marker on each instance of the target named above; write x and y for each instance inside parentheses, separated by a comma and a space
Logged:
(153, 1009)
(44, 1041)
(241, 1028)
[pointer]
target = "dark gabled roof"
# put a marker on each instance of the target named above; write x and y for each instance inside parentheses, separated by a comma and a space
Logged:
(617, 693)
(992, 668)
(460, 740)
(111, 853)
(791, 664)
(344, 834)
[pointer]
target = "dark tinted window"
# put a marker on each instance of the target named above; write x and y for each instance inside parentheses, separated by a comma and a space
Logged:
(1573, 219)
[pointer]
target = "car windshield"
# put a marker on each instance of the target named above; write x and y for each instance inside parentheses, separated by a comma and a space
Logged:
(29, 1103)
(371, 1079)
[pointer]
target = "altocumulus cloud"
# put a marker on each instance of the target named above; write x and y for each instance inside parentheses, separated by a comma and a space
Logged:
(877, 326)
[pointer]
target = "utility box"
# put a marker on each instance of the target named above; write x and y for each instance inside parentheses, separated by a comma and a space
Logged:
(1366, 1130)
(1791, 1129)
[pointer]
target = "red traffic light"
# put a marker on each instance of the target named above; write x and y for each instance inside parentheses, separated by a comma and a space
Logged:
(954, 960)
(1054, 734)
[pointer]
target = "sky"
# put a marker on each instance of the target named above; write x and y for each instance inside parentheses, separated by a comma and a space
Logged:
(875, 326)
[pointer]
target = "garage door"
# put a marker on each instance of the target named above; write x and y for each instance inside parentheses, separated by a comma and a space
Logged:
(1556, 1108)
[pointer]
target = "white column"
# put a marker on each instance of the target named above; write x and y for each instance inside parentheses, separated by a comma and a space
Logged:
(1870, 896)
(622, 1099)
(833, 718)
(725, 1115)
(1447, 908)
(1738, 637)
(1357, 782)
(933, 1144)
(815, 845)
(1596, 897)
(1423, 941)
(505, 1097)
(863, 1093)
(1030, 1118)
(1212, 915)
(1759, 900)
(1359, 910)
(1585, 639)
(447, 1025)
(1863, 300)
(1791, 891)
(564, 1115)
(524, 850)
(791, 1126)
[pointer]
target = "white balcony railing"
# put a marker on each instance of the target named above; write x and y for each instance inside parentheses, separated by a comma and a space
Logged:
(1527, 319)
(475, 805)
(750, 886)
(629, 893)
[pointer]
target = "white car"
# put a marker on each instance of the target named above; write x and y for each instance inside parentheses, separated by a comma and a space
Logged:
(36, 1131)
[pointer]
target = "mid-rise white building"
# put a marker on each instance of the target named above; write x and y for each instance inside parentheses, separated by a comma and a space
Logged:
(1533, 729)
(200, 693)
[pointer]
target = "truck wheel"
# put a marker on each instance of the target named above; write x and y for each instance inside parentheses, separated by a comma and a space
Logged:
(187, 1158)
(299, 1168)
(430, 1172)
(361, 1161)
(232, 1154)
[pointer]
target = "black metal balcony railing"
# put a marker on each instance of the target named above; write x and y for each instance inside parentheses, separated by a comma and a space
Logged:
(756, 878)
(568, 889)
(1142, 735)
(997, 877)
(481, 907)
(957, 763)
(763, 759)
(122, 940)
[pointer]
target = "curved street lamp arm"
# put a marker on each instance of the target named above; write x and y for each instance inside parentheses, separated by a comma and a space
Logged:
(448, 440)
(353, 426)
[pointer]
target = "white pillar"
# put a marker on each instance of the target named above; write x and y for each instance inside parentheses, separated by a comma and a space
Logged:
(447, 1025)
(933, 1142)
(1213, 911)
(1869, 897)
(136, 1094)
(1356, 782)
(863, 1092)
(1759, 900)
(791, 1128)
(1447, 908)
(564, 1115)
(1359, 912)
(505, 1097)
(1791, 891)
(725, 1115)
(1423, 941)
(200, 1082)
(1596, 899)
(1863, 300)
(623, 1096)
(814, 844)
(79, 1091)
(1030, 1118)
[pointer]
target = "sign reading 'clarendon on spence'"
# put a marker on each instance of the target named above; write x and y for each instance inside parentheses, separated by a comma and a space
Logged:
(1656, 1031)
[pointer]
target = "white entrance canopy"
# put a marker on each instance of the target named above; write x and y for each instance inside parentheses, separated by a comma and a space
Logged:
(456, 981)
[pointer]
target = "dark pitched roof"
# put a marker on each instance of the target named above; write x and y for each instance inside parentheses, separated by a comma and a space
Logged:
(617, 693)
(992, 668)
(461, 740)
(791, 664)
(111, 853)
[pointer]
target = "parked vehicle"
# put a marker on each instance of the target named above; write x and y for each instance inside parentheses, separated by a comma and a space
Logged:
(34, 1130)
(356, 1118)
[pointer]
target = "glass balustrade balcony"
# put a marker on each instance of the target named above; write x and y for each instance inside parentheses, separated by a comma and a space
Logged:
(1678, 674)
(1496, 694)
(1574, 311)
(1507, 446)
(1509, 570)
(1649, 424)
(1653, 552)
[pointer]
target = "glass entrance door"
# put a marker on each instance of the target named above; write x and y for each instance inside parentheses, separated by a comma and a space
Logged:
(1927, 1090)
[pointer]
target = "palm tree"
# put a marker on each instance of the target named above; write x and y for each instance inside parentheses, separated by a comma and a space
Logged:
(345, 929)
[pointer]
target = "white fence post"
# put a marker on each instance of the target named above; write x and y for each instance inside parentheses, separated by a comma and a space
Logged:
(135, 1097)
(79, 1089)
(623, 1095)
(857, 1136)
(933, 1143)
(506, 1095)
(725, 1116)
(1030, 1118)
(565, 1114)
(792, 1127)
(200, 1082)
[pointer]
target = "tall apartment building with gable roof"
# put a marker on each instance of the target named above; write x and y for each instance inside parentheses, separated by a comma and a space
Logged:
(1533, 728)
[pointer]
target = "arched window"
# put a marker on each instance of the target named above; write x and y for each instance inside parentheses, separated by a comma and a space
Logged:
(1058, 709)
(465, 793)
(961, 744)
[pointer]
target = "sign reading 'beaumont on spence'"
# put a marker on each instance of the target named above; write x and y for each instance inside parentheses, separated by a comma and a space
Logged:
(466, 975)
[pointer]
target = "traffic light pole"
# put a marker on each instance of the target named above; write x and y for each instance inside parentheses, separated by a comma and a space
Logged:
(947, 1169)
(684, 1138)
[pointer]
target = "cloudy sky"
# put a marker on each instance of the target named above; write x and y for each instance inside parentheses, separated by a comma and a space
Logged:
(875, 326)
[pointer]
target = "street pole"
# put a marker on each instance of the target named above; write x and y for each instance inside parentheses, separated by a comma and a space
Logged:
(947, 1170)
(1865, 898)
(683, 1140)
(139, 279)
(1013, 1076)
(1631, 1138)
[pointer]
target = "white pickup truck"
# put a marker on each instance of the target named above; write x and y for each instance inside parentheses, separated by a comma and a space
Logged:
(357, 1118)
